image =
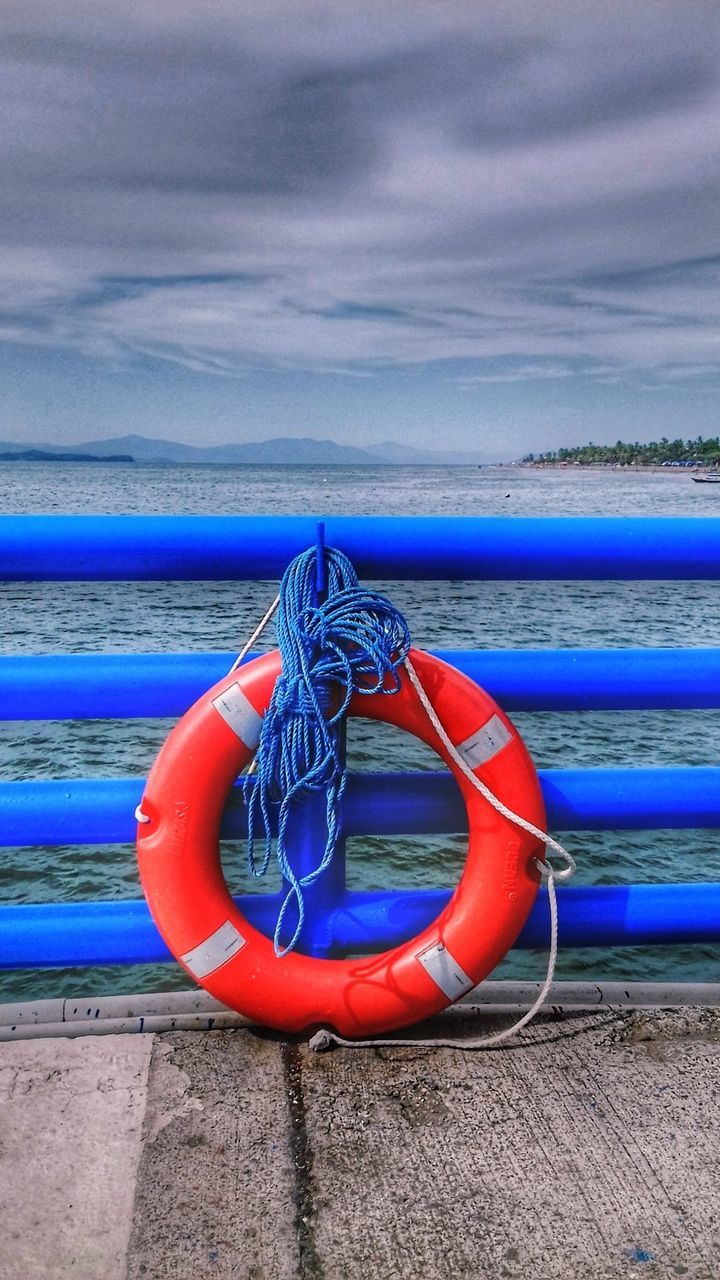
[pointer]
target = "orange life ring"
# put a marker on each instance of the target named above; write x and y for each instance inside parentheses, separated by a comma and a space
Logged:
(181, 872)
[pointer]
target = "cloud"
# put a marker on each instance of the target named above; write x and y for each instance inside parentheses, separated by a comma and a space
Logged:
(233, 187)
(518, 373)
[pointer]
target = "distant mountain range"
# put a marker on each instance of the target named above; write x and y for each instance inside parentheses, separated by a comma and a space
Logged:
(290, 450)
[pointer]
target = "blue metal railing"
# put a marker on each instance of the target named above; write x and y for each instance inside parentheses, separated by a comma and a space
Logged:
(186, 548)
(124, 685)
(87, 933)
(214, 548)
(90, 811)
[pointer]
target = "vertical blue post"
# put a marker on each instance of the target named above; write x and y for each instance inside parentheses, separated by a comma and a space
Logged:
(308, 831)
(320, 565)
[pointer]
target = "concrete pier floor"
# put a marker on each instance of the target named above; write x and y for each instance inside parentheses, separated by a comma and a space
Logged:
(590, 1147)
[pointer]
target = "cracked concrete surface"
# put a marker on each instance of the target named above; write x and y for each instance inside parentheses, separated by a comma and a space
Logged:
(215, 1186)
(591, 1147)
(71, 1120)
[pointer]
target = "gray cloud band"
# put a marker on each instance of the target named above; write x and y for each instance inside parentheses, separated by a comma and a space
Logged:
(233, 188)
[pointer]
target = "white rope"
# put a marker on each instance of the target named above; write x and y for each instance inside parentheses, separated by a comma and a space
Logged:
(569, 868)
(255, 635)
(141, 817)
(246, 649)
(323, 1039)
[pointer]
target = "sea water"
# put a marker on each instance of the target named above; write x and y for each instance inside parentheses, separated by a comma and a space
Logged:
(83, 617)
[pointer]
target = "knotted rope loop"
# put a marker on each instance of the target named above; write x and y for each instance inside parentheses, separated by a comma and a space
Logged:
(354, 641)
(550, 872)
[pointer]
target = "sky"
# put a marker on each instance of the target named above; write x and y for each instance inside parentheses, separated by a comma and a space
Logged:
(490, 226)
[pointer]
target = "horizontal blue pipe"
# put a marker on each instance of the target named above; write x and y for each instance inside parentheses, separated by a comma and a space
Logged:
(589, 916)
(124, 685)
(94, 933)
(44, 548)
(87, 933)
(100, 811)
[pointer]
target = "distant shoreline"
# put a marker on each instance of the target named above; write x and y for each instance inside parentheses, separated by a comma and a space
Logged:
(652, 468)
(37, 455)
(40, 456)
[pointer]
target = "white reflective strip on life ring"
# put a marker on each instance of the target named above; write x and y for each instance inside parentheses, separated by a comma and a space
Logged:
(215, 951)
(239, 713)
(445, 971)
(484, 743)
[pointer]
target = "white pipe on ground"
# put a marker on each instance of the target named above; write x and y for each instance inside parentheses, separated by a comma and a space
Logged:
(197, 1011)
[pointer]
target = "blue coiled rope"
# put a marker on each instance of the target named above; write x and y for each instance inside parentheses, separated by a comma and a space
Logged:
(352, 642)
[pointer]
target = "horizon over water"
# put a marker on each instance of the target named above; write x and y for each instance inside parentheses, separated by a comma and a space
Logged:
(153, 617)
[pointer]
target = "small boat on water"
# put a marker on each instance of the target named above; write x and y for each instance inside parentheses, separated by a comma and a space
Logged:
(711, 477)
